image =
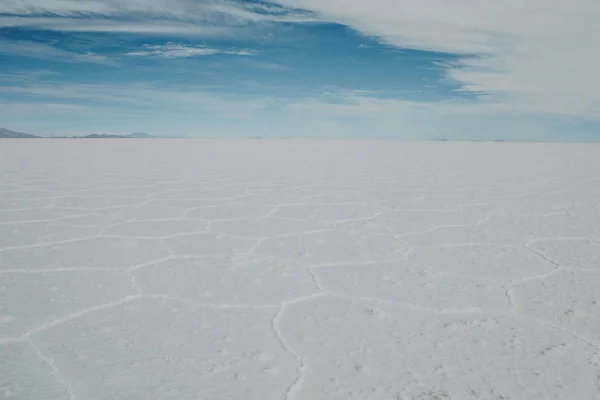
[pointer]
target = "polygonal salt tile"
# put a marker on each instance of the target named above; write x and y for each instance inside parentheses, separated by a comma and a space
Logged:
(460, 235)
(355, 196)
(331, 212)
(28, 301)
(381, 225)
(155, 349)
(265, 227)
(572, 253)
(39, 233)
(432, 218)
(22, 204)
(592, 207)
(93, 252)
(249, 280)
(569, 299)
(29, 194)
(207, 244)
(450, 202)
(510, 190)
(555, 225)
(230, 211)
(539, 203)
(146, 212)
(333, 247)
(157, 229)
(184, 204)
(402, 282)
(99, 220)
(38, 214)
(272, 198)
(498, 263)
(25, 376)
(204, 193)
(121, 192)
(483, 210)
(91, 202)
(389, 352)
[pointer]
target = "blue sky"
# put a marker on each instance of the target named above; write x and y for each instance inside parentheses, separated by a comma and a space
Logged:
(382, 69)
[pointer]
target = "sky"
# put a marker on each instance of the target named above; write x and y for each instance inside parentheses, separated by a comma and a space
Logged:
(519, 70)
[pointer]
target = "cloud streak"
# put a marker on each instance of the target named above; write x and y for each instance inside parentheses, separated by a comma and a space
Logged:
(181, 17)
(174, 50)
(152, 27)
(27, 48)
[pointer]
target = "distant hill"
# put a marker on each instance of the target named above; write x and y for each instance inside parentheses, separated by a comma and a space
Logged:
(140, 135)
(8, 134)
(137, 135)
(102, 136)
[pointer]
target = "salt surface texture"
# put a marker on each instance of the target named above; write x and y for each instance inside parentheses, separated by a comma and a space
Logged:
(197, 269)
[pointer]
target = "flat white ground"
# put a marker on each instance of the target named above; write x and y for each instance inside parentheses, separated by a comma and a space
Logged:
(199, 269)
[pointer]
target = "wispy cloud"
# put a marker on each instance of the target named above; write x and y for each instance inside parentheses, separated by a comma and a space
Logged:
(539, 55)
(149, 27)
(143, 95)
(179, 17)
(174, 50)
(32, 49)
(188, 9)
(262, 64)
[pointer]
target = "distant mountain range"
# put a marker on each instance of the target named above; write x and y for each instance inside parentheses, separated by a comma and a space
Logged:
(140, 135)
(8, 134)
(137, 135)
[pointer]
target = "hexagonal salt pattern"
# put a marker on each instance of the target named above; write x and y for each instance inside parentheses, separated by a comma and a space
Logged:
(291, 270)
(170, 350)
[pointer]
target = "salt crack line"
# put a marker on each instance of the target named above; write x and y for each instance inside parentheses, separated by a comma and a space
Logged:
(540, 254)
(58, 270)
(408, 306)
(193, 303)
(466, 244)
(165, 237)
(54, 370)
(536, 277)
(58, 220)
(357, 263)
(48, 244)
(565, 330)
(80, 314)
(295, 387)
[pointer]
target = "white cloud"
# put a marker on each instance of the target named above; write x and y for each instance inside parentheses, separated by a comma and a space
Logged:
(196, 110)
(537, 55)
(145, 97)
(189, 9)
(26, 48)
(174, 50)
(182, 17)
(153, 27)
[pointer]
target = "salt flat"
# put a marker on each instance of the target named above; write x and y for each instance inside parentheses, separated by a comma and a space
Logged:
(206, 269)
